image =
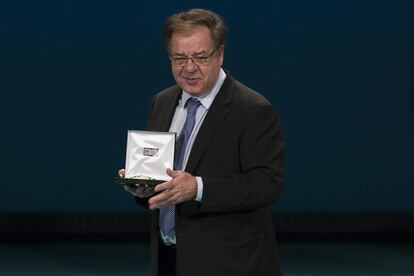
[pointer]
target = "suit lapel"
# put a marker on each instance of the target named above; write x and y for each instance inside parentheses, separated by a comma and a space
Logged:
(215, 116)
(169, 109)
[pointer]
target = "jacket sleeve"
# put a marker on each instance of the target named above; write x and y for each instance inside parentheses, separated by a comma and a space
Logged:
(261, 154)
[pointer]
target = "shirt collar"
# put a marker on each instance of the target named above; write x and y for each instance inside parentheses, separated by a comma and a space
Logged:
(207, 98)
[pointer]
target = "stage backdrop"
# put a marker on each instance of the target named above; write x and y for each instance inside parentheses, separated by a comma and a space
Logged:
(76, 75)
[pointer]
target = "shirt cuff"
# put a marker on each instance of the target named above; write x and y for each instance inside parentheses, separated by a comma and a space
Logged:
(199, 195)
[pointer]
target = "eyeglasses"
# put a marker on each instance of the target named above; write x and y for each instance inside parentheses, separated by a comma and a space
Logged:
(197, 60)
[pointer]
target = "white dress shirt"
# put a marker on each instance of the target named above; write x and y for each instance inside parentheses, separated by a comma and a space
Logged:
(177, 124)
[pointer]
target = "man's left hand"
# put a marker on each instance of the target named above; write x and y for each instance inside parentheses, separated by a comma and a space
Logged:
(182, 187)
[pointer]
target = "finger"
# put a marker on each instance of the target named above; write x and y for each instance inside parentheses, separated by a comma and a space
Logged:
(172, 173)
(159, 201)
(157, 206)
(163, 186)
(121, 172)
(160, 204)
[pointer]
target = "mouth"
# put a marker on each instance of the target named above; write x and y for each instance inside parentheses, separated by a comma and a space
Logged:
(191, 81)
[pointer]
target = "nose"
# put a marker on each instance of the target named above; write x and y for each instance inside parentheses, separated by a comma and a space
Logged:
(190, 66)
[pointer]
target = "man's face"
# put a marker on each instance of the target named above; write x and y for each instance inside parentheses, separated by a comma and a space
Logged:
(192, 78)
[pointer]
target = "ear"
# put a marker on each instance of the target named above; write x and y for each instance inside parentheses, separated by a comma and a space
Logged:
(221, 54)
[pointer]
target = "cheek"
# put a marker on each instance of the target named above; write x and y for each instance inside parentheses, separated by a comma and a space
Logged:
(212, 74)
(175, 72)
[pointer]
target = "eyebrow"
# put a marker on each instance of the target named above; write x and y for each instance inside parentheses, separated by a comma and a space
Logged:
(194, 54)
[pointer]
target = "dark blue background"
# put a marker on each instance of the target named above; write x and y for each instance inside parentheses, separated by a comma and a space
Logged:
(75, 75)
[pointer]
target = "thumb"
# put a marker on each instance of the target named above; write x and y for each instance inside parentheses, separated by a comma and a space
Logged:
(172, 173)
(121, 173)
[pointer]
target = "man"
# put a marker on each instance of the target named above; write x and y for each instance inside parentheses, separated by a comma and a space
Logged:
(231, 167)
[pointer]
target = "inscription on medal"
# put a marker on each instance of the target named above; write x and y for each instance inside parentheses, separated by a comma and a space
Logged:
(150, 151)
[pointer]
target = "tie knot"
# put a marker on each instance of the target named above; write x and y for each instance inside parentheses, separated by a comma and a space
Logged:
(192, 103)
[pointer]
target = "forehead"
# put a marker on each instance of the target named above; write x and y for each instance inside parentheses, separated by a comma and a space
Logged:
(197, 40)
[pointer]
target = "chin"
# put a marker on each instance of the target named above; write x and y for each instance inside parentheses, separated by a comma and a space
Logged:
(192, 90)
